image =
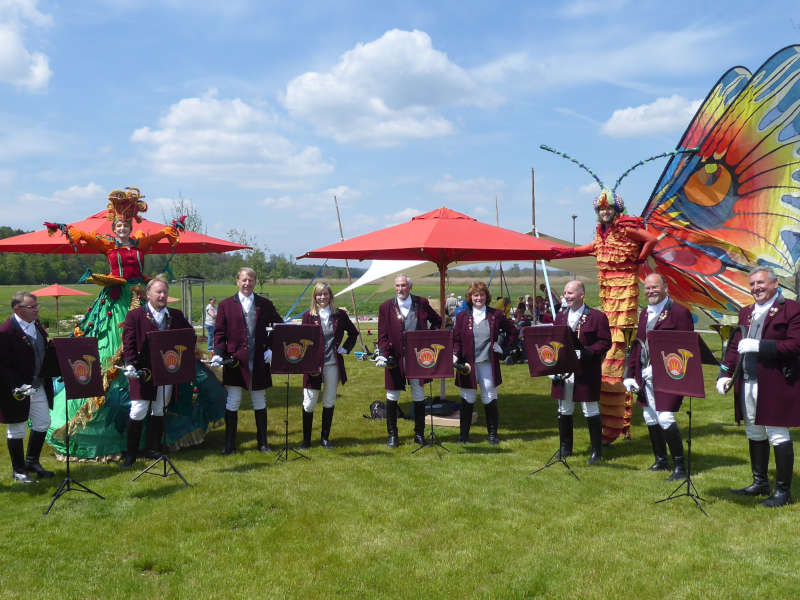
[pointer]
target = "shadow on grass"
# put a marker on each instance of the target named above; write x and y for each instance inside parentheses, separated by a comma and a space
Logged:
(159, 492)
(245, 468)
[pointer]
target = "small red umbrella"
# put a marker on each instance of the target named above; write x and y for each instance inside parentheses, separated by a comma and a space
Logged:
(56, 291)
(40, 242)
(441, 236)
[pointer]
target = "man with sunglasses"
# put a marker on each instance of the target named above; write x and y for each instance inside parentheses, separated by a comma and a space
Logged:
(27, 363)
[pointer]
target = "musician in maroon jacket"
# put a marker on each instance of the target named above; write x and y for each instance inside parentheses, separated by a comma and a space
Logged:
(592, 340)
(145, 396)
(404, 312)
(477, 342)
(658, 408)
(27, 361)
(762, 360)
(334, 323)
(241, 336)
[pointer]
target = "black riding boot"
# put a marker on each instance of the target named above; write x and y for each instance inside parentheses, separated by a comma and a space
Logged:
(308, 422)
(154, 446)
(784, 465)
(565, 427)
(673, 436)
(327, 419)
(659, 448)
(134, 436)
(35, 443)
(492, 420)
(17, 454)
(419, 423)
(464, 421)
(595, 424)
(261, 429)
(759, 463)
(391, 424)
(231, 424)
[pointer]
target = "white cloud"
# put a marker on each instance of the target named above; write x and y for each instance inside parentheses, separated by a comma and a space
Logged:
(468, 191)
(227, 140)
(664, 115)
(61, 206)
(404, 215)
(73, 195)
(590, 189)
(19, 66)
(385, 92)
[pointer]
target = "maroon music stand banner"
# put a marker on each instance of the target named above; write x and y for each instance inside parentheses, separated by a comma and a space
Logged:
(79, 361)
(677, 362)
(428, 354)
(171, 356)
(297, 349)
(550, 350)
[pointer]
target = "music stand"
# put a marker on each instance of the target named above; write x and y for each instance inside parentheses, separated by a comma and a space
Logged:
(297, 350)
(677, 358)
(428, 354)
(79, 362)
(551, 351)
(171, 363)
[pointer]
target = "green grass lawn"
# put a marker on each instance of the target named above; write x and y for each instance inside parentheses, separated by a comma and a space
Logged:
(363, 521)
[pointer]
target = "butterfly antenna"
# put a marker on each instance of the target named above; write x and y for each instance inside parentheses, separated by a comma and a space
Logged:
(646, 160)
(580, 164)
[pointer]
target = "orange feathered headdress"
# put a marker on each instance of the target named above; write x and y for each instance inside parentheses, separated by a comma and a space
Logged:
(126, 205)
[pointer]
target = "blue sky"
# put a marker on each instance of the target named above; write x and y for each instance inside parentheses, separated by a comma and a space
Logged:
(260, 112)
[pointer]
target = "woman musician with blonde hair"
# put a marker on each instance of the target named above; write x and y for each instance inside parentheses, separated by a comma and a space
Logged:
(334, 323)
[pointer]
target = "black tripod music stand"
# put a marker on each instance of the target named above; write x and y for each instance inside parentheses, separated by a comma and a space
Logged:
(691, 490)
(283, 453)
(168, 467)
(432, 441)
(68, 483)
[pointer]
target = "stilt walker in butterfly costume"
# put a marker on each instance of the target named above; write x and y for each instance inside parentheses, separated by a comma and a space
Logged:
(97, 424)
(620, 244)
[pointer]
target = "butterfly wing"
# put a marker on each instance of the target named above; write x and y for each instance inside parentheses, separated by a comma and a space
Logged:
(735, 203)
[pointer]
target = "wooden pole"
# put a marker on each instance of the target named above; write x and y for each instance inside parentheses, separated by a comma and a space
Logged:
(349, 278)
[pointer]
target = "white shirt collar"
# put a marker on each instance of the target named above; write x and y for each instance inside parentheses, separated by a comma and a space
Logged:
(158, 315)
(577, 312)
(246, 301)
(656, 308)
(325, 313)
(478, 314)
(759, 309)
(28, 328)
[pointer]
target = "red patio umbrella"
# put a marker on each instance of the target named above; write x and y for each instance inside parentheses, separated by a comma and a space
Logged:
(56, 291)
(40, 242)
(441, 236)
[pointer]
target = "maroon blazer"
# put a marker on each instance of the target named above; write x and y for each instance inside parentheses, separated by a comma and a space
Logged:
(17, 362)
(230, 339)
(594, 340)
(390, 335)
(341, 324)
(778, 365)
(464, 343)
(136, 350)
(673, 317)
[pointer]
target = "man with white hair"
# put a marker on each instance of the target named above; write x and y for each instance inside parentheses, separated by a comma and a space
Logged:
(762, 362)
(404, 312)
(658, 408)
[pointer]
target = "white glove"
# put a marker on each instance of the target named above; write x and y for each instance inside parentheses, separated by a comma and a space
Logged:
(630, 384)
(341, 350)
(130, 372)
(647, 372)
(578, 353)
(748, 345)
(216, 361)
(552, 376)
(496, 348)
(268, 356)
(722, 384)
(380, 361)
(26, 389)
